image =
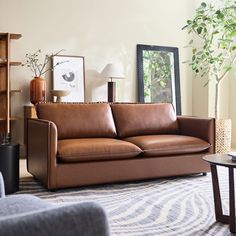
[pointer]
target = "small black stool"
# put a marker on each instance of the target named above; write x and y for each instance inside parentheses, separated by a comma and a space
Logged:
(9, 166)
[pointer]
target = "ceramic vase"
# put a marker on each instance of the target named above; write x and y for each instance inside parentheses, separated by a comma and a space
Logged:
(37, 90)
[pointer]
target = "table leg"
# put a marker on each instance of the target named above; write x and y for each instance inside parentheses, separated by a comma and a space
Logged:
(216, 192)
(231, 201)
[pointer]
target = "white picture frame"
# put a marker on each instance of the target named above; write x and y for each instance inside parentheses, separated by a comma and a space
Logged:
(68, 74)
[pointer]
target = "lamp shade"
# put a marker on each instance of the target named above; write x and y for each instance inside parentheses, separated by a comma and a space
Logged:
(113, 71)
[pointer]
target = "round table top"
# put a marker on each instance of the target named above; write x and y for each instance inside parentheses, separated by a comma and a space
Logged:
(220, 159)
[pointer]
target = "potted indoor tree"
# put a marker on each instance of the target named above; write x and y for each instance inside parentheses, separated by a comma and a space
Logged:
(214, 24)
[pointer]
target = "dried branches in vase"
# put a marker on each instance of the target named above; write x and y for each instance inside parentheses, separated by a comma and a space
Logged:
(38, 84)
(40, 68)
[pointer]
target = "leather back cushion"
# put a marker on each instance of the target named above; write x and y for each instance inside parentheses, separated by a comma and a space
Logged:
(144, 119)
(79, 120)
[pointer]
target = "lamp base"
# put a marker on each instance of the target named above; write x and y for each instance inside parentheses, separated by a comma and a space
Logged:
(111, 91)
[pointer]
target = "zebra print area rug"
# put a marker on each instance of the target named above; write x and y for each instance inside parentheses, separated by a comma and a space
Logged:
(170, 206)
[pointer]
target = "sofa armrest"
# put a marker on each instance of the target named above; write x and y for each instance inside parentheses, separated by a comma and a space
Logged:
(41, 151)
(85, 219)
(203, 128)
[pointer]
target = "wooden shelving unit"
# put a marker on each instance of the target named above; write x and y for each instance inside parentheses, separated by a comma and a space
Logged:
(5, 80)
(12, 63)
(11, 118)
(12, 91)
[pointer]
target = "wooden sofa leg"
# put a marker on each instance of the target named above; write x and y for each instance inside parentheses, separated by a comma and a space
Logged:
(204, 174)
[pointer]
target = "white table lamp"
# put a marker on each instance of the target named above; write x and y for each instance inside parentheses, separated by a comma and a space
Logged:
(112, 71)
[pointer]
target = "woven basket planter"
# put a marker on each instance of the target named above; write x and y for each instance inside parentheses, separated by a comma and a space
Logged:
(223, 135)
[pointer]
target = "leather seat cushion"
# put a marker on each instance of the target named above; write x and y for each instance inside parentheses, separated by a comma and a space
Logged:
(95, 149)
(162, 145)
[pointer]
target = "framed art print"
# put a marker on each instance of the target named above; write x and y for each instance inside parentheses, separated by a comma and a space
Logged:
(68, 74)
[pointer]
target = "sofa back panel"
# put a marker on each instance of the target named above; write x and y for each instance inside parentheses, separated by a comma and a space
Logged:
(79, 120)
(144, 119)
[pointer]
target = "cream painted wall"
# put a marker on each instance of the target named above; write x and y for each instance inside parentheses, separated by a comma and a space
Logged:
(232, 110)
(199, 92)
(102, 31)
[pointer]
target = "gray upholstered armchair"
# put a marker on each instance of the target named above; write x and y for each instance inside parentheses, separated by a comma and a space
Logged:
(27, 215)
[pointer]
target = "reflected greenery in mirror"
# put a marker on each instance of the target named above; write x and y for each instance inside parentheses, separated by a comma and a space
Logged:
(158, 75)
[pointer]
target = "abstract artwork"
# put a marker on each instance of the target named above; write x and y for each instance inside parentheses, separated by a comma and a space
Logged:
(68, 74)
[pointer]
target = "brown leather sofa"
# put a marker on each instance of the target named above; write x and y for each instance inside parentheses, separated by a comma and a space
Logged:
(82, 144)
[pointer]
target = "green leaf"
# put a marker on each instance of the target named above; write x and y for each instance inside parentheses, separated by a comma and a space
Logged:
(194, 66)
(206, 83)
(215, 32)
(199, 30)
(189, 22)
(163, 84)
(203, 4)
(227, 68)
(219, 14)
(233, 34)
(191, 42)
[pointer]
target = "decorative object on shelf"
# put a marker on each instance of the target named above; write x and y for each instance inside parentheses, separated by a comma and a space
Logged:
(112, 71)
(158, 75)
(59, 94)
(38, 84)
(37, 90)
(214, 25)
(69, 76)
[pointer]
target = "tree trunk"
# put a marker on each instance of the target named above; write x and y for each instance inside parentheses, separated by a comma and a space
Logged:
(217, 101)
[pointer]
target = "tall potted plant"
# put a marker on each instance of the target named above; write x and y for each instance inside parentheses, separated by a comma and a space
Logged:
(214, 24)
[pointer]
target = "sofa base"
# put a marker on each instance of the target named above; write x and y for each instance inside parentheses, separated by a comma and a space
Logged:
(90, 173)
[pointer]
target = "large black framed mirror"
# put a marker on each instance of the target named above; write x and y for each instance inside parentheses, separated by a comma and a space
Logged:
(158, 75)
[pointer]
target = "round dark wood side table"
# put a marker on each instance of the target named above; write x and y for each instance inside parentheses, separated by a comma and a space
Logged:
(226, 161)
(9, 166)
